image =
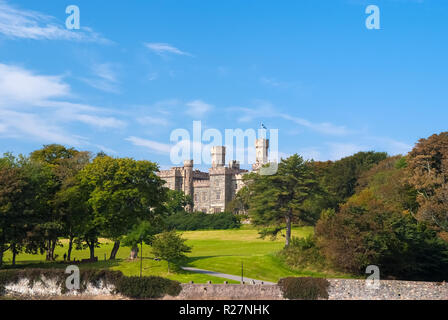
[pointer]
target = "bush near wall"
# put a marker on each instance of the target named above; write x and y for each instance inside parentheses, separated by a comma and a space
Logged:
(304, 288)
(185, 221)
(148, 287)
(133, 287)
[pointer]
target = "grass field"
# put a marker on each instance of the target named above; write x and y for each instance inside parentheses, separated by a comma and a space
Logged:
(216, 250)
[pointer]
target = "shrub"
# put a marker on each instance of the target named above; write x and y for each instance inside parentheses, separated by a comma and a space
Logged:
(302, 253)
(185, 221)
(304, 288)
(148, 287)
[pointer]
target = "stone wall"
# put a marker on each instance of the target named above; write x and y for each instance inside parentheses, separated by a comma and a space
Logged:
(340, 289)
(349, 289)
(48, 288)
(228, 292)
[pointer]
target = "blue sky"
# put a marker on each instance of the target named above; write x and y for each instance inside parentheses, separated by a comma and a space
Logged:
(137, 70)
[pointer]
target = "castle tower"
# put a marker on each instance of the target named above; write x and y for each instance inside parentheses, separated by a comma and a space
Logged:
(218, 156)
(188, 180)
(261, 153)
(261, 150)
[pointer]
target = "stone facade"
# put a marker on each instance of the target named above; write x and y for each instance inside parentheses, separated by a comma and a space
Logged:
(211, 191)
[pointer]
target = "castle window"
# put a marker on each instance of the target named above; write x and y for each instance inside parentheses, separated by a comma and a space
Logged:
(204, 196)
(217, 210)
(218, 195)
(195, 197)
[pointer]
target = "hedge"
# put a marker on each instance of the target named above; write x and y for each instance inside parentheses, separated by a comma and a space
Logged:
(306, 288)
(133, 287)
(185, 221)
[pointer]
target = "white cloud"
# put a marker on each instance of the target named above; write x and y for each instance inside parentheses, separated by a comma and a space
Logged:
(18, 85)
(272, 82)
(266, 110)
(150, 120)
(198, 108)
(100, 122)
(18, 23)
(324, 127)
(30, 109)
(105, 78)
(30, 126)
(164, 48)
(150, 144)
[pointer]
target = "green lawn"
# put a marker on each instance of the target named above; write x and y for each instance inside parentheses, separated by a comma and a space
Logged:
(225, 251)
(216, 250)
(129, 268)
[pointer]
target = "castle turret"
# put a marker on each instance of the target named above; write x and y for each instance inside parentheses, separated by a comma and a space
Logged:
(188, 180)
(218, 156)
(261, 153)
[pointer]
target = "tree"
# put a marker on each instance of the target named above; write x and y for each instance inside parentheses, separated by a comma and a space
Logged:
(63, 162)
(428, 171)
(24, 189)
(340, 177)
(122, 192)
(169, 246)
(12, 210)
(142, 232)
(79, 223)
(53, 154)
(367, 231)
(240, 204)
(71, 201)
(277, 201)
(177, 201)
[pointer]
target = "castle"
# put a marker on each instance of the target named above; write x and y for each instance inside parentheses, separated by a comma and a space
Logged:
(211, 191)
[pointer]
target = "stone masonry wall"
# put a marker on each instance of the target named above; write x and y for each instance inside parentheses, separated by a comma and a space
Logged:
(340, 289)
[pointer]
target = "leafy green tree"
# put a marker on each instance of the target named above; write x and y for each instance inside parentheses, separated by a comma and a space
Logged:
(53, 154)
(63, 162)
(23, 203)
(367, 231)
(428, 174)
(277, 201)
(79, 224)
(71, 202)
(240, 204)
(12, 210)
(177, 201)
(340, 177)
(142, 232)
(169, 246)
(122, 192)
